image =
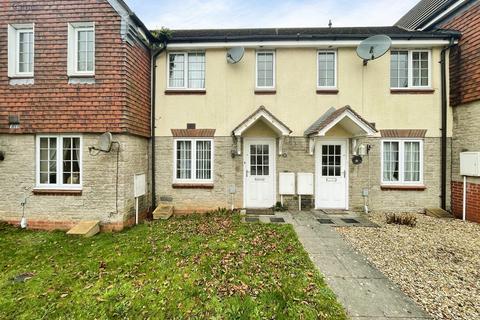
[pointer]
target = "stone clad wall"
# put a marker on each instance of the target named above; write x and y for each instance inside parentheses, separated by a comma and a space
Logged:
(229, 171)
(97, 201)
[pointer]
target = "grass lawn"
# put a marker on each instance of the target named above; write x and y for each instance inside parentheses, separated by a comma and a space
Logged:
(197, 267)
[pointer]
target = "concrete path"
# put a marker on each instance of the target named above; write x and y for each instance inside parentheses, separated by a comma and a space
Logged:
(363, 290)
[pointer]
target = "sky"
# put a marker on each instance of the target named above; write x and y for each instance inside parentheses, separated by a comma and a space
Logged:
(196, 14)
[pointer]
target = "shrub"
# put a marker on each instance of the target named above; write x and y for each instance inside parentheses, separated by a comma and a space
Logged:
(406, 219)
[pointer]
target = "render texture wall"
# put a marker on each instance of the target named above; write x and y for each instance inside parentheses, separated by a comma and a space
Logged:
(97, 201)
(230, 97)
(119, 101)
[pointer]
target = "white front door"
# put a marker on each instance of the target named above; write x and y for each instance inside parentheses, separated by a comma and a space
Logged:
(259, 173)
(331, 190)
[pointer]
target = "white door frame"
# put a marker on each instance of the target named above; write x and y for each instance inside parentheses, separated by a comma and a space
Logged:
(347, 163)
(274, 165)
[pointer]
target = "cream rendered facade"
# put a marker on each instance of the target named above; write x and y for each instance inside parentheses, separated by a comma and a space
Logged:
(230, 98)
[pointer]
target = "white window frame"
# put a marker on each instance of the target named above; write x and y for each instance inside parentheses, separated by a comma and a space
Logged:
(73, 30)
(335, 71)
(410, 69)
(401, 163)
(59, 184)
(274, 61)
(185, 70)
(193, 167)
(14, 31)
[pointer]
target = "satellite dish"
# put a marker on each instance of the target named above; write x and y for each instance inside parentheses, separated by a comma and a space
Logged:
(374, 47)
(105, 142)
(235, 54)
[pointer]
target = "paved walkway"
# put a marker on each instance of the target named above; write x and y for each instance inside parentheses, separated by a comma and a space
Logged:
(363, 290)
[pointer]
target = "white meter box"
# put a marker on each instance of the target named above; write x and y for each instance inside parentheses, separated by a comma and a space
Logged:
(139, 185)
(305, 183)
(286, 183)
(470, 164)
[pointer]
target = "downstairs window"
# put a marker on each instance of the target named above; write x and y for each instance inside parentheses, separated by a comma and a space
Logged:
(193, 161)
(402, 162)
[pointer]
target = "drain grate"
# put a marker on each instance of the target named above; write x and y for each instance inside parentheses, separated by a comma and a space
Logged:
(349, 220)
(325, 221)
(252, 219)
(277, 220)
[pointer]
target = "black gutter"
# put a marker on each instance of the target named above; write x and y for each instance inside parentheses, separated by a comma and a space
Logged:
(443, 178)
(154, 54)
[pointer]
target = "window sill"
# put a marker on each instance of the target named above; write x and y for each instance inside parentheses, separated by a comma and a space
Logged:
(81, 80)
(265, 91)
(403, 187)
(192, 185)
(19, 81)
(327, 91)
(412, 91)
(57, 192)
(185, 92)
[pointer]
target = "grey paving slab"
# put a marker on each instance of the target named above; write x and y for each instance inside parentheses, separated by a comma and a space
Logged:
(363, 290)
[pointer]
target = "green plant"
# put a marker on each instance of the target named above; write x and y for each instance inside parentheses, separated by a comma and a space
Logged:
(406, 219)
(279, 207)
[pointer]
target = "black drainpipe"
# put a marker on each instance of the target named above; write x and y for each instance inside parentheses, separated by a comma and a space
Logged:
(443, 179)
(154, 55)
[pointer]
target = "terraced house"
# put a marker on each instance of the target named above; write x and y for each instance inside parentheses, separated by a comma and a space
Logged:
(69, 72)
(301, 101)
(463, 16)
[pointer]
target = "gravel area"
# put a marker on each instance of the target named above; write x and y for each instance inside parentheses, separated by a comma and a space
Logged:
(436, 263)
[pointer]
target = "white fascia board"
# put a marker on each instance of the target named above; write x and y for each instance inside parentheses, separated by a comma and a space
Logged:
(368, 131)
(302, 44)
(281, 129)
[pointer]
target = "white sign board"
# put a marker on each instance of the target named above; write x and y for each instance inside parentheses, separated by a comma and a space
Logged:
(286, 183)
(305, 183)
(470, 164)
(139, 185)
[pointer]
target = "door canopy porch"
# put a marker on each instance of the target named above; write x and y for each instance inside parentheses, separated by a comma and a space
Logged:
(346, 118)
(265, 116)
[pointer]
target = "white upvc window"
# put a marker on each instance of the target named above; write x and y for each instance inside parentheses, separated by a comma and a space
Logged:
(21, 50)
(402, 162)
(265, 70)
(59, 162)
(186, 70)
(326, 69)
(410, 69)
(81, 49)
(193, 160)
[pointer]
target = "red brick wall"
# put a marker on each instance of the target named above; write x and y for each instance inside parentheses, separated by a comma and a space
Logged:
(473, 200)
(119, 101)
(465, 58)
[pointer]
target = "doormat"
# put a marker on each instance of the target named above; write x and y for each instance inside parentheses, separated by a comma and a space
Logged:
(349, 220)
(325, 221)
(252, 219)
(277, 220)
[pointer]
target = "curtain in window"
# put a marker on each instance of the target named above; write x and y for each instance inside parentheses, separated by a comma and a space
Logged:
(326, 69)
(25, 54)
(85, 50)
(184, 159)
(48, 160)
(399, 69)
(412, 161)
(420, 69)
(390, 161)
(176, 70)
(204, 160)
(265, 69)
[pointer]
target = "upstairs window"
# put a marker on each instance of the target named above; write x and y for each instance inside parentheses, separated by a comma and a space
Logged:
(410, 69)
(186, 70)
(81, 49)
(20, 50)
(265, 75)
(327, 69)
(193, 160)
(59, 162)
(402, 162)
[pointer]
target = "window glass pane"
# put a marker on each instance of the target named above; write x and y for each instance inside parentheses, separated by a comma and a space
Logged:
(259, 160)
(390, 161)
(48, 160)
(412, 161)
(326, 69)
(184, 159)
(85, 50)
(25, 51)
(265, 69)
(399, 69)
(196, 70)
(204, 160)
(420, 70)
(331, 160)
(177, 70)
